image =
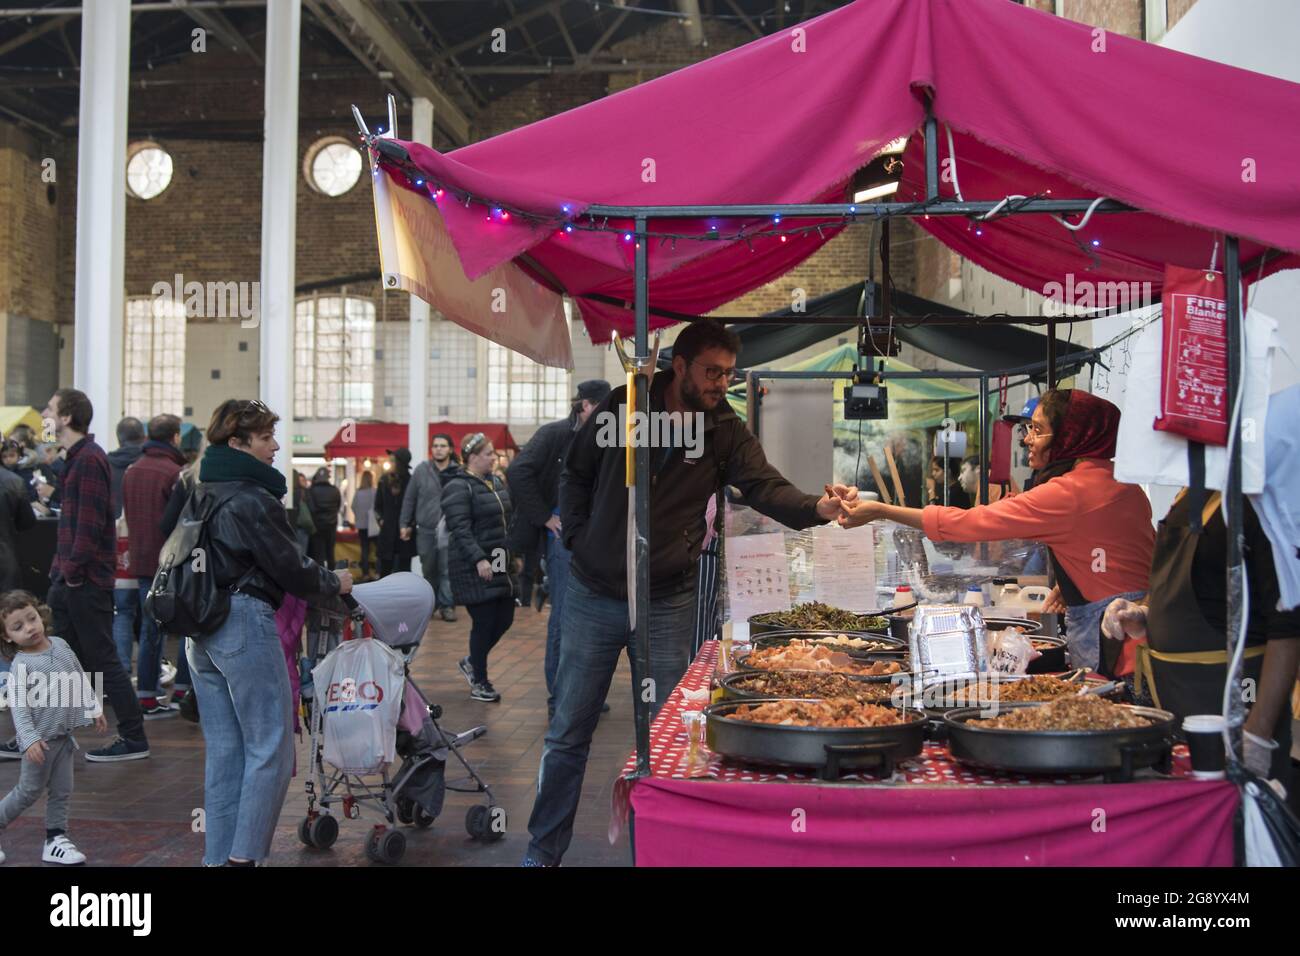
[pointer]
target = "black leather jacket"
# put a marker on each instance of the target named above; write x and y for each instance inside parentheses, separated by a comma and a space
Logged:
(250, 534)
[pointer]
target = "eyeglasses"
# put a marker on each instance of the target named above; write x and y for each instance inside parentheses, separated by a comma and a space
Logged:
(715, 372)
(1031, 430)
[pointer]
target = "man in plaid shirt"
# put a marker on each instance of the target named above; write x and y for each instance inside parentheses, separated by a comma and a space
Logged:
(81, 577)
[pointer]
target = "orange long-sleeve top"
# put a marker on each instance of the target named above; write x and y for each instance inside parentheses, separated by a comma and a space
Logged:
(1098, 528)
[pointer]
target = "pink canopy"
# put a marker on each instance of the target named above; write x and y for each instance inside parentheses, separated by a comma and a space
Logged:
(1036, 105)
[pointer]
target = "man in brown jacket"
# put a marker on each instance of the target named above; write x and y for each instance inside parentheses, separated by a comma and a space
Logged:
(146, 487)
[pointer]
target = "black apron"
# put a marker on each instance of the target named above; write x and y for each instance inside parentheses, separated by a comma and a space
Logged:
(1176, 628)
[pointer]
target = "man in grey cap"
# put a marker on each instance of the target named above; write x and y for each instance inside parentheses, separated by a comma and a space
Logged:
(534, 478)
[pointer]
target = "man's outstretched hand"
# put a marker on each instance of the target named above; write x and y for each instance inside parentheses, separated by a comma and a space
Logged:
(831, 504)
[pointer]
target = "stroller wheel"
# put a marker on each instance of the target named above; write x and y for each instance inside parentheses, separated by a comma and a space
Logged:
(405, 810)
(304, 831)
(324, 830)
(386, 846)
(423, 819)
(486, 823)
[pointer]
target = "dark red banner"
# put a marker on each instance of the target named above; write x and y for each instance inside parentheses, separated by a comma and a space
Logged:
(1194, 360)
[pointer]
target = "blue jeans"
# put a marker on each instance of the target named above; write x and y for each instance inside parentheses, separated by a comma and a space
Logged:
(593, 633)
(558, 560)
(243, 693)
(126, 601)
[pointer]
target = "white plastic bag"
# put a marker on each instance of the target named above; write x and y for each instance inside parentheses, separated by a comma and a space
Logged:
(1010, 651)
(359, 689)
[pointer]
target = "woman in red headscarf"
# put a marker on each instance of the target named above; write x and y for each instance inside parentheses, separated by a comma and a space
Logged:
(1098, 530)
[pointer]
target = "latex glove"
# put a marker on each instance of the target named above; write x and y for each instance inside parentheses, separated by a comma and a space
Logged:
(1124, 619)
(1257, 754)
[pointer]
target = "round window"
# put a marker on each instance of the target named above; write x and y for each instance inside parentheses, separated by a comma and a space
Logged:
(148, 170)
(332, 166)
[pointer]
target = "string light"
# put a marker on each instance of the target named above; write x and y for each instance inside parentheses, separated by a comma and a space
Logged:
(566, 223)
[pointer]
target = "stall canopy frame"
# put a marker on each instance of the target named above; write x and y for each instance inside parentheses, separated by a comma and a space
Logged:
(1272, 218)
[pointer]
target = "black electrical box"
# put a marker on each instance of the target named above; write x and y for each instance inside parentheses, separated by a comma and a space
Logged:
(866, 402)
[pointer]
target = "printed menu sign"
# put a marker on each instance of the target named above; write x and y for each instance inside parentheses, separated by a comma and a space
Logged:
(1194, 363)
(844, 567)
(758, 576)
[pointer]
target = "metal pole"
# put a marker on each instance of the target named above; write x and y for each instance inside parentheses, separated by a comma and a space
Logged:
(931, 153)
(1051, 354)
(1232, 497)
(643, 513)
(984, 439)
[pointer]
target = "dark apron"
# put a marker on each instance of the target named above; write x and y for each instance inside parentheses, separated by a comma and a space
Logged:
(1185, 659)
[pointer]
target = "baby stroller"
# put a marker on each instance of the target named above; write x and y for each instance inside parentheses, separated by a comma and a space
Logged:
(393, 611)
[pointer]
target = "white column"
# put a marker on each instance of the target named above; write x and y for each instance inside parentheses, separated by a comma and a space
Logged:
(99, 307)
(418, 412)
(279, 218)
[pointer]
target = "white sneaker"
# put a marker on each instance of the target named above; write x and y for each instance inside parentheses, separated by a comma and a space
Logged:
(167, 675)
(2, 856)
(61, 850)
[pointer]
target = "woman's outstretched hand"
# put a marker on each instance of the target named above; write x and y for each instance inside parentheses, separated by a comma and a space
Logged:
(854, 514)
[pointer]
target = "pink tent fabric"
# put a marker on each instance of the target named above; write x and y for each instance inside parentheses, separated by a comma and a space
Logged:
(1035, 104)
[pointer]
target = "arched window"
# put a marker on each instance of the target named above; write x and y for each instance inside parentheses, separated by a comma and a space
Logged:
(332, 165)
(334, 357)
(148, 170)
(154, 371)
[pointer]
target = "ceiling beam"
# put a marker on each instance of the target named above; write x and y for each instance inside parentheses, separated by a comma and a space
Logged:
(745, 19)
(564, 31)
(525, 17)
(407, 70)
(32, 33)
(476, 96)
(611, 30)
(216, 22)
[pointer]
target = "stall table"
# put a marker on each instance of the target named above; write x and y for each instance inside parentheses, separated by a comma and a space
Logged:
(933, 812)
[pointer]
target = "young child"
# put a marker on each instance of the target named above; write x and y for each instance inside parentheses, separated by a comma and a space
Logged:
(41, 666)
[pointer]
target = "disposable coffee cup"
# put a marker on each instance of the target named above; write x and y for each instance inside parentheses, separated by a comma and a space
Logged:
(1204, 733)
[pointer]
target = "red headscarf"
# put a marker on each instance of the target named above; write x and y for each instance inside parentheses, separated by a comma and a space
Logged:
(1089, 429)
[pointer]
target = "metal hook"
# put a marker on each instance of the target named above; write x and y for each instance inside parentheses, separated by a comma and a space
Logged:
(392, 117)
(362, 128)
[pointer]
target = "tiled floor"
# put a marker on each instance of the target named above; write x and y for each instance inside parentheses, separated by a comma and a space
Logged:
(143, 812)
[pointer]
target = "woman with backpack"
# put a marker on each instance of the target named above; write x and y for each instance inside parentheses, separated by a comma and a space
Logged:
(476, 505)
(238, 669)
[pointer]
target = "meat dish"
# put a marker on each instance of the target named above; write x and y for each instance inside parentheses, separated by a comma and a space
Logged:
(819, 713)
(801, 656)
(805, 684)
(1039, 687)
(1067, 713)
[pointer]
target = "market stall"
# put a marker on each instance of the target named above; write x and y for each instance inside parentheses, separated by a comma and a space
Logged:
(934, 811)
(996, 90)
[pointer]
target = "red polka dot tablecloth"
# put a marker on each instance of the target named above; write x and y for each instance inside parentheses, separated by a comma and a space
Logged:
(670, 751)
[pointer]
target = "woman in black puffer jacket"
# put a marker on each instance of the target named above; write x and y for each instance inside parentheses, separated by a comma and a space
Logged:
(477, 508)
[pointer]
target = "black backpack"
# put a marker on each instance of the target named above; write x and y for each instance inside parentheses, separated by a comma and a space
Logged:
(184, 598)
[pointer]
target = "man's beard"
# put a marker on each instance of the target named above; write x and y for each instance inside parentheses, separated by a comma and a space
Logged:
(696, 399)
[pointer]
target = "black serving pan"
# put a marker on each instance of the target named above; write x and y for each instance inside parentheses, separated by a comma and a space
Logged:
(1053, 659)
(1115, 753)
(890, 647)
(741, 659)
(732, 691)
(829, 750)
(757, 627)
